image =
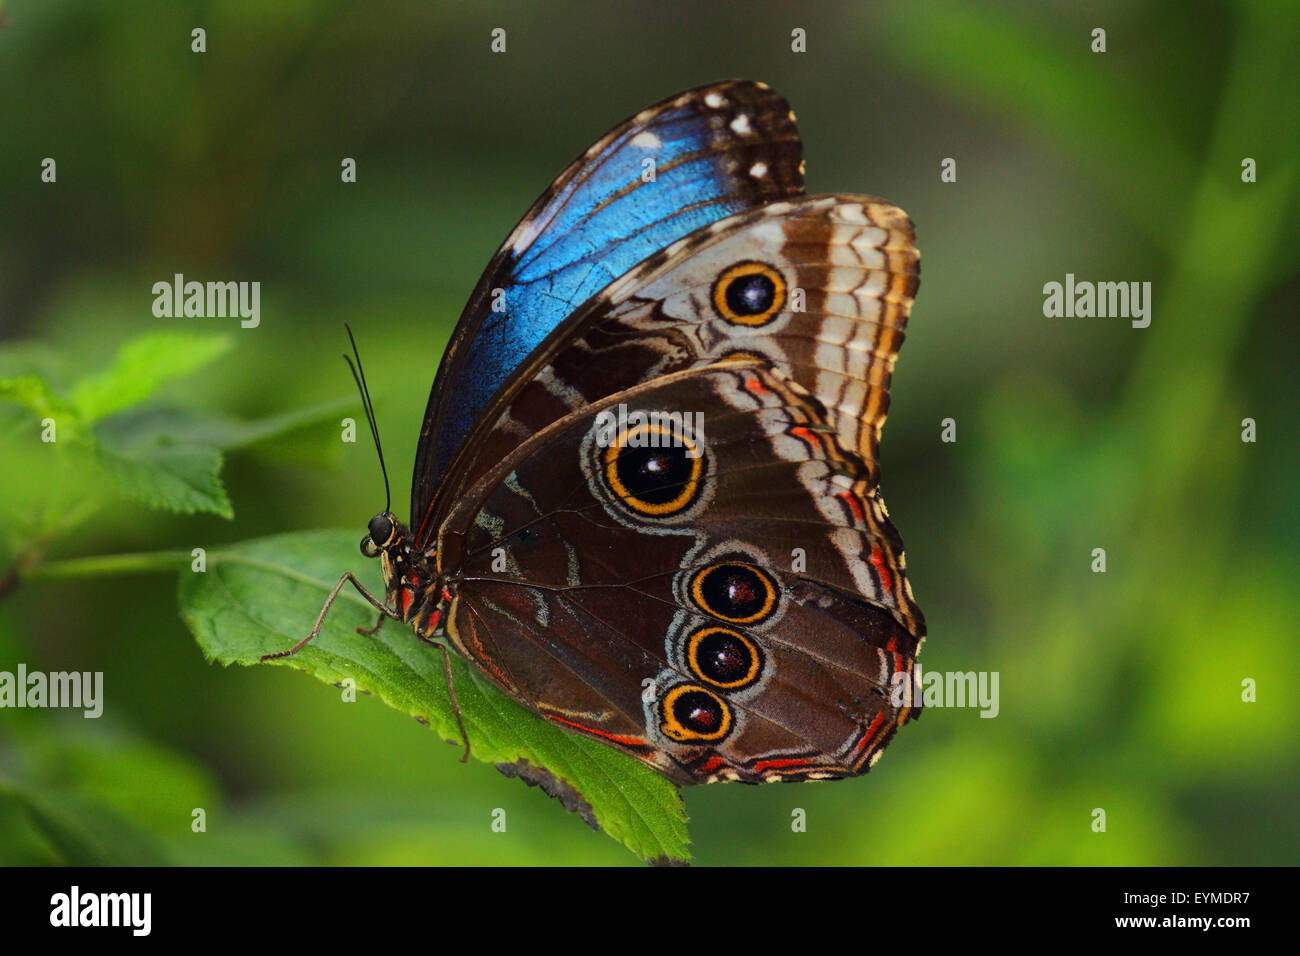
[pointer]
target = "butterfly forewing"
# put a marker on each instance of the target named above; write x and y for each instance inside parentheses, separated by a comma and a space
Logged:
(686, 162)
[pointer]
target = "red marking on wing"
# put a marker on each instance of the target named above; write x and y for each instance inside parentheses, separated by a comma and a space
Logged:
(405, 596)
(494, 672)
(808, 435)
(712, 764)
(900, 660)
(871, 731)
(754, 385)
(628, 741)
(854, 505)
(782, 762)
(882, 569)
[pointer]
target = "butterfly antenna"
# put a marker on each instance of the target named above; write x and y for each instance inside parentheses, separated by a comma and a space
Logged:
(359, 375)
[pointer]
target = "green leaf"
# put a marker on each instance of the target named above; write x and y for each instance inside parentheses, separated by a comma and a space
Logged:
(142, 366)
(219, 431)
(163, 468)
(301, 436)
(263, 596)
(180, 478)
(35, 393)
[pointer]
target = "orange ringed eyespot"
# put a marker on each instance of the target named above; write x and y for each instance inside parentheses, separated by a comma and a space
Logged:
(655, 470)
(749, 293)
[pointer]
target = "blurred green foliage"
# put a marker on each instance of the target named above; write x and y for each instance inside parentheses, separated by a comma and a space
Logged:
(1119, 690)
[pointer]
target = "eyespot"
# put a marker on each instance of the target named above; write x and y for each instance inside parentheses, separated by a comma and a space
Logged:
(737, 593)
(724, 658)
(654, 471)
(749, 293)
(689, 712)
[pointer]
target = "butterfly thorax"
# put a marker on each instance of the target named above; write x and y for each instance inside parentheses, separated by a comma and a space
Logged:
(413, 587)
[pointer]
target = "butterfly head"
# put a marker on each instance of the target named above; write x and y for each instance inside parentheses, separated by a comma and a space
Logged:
(384, 533)
(390, 541)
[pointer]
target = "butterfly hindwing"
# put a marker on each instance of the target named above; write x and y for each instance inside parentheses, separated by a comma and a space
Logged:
(718, 608)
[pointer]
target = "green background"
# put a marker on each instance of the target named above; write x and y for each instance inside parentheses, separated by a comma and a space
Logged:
(1119, 691)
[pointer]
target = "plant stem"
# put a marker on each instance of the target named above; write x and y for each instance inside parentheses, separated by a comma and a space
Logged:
(101, 565)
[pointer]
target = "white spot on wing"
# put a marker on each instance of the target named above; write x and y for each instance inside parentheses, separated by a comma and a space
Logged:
(646, 140)
(525, 235)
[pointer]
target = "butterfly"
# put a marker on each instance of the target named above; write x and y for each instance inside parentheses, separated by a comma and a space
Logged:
(645, 501)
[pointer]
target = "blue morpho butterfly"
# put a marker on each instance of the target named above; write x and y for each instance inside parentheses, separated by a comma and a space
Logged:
(645, 497)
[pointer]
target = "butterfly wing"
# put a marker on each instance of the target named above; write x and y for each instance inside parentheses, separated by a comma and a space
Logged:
(688, 161)
(719, 608)
(841, 273)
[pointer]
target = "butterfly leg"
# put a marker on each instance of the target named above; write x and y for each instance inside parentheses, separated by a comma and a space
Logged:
(451, 690)
(372, 631)
(347, 578)
(455, 704)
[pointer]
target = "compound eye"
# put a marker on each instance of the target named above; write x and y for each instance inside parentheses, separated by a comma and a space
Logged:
(381, 530)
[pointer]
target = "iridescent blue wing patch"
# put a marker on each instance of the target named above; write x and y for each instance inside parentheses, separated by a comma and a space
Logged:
(688, 161)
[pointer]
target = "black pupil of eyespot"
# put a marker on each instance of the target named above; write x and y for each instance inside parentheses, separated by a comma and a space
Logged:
(380, 529)
(750, 294)
(698, 711)
(655, 475)
(723, 657)
(735, 591)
